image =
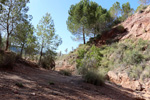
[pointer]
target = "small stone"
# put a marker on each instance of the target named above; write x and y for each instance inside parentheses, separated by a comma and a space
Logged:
(33, 93)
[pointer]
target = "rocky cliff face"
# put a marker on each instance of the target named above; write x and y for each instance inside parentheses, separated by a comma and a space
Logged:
(136, 26)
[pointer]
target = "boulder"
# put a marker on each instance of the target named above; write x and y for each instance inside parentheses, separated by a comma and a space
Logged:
(113, 77)
(147, 86)
(122, 79)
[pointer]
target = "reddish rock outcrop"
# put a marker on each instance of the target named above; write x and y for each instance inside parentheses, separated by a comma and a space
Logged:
(123, 79)
(139, 88)
(136, 26)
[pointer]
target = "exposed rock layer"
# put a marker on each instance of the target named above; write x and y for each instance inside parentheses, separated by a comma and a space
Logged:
(139, 88)
(136, 26)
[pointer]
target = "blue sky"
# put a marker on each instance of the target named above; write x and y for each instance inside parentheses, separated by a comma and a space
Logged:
(59, 12)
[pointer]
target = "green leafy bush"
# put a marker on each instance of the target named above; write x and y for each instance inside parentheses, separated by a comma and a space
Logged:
(80, 55)
(93, 56)
(7, 59)
(65, 72)
(48, 61)
(93, 77)
(135, 72)
(132, 57)
(146, 73)
(120, 28)
(87, 64)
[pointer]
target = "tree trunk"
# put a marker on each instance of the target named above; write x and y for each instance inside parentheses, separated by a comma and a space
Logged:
(8, 32)
(94, 35)
(41, 53)
(7, 43)
(83, 36)
(25, 55)
(0, 41)
(21, 50)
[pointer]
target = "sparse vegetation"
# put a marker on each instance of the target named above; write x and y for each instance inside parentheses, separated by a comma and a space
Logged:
(128, 53)
(131, 54)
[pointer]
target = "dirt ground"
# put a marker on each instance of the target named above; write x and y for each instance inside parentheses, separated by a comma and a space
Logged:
(36, 86)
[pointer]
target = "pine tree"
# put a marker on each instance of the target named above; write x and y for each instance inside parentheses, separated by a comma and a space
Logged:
(126, 10)
(46, 34)
(14, 12)
(78, 19)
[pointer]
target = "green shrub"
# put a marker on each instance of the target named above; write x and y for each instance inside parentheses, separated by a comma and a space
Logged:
(7, 59)
(44, 64)
(145, 73)
(141, 8)
(135, 72)
(48, 60)
(94, 77)
(130, 55)
(120, 28)
(20, 85)
(48, 63)
(65, 72)
(125, 54)
(17, 57)
(86, 58)
(81, 54)
(82, 70)
(89, 63)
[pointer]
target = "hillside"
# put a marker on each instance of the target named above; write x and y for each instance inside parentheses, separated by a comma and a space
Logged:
(122, 54)
(28, 83)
